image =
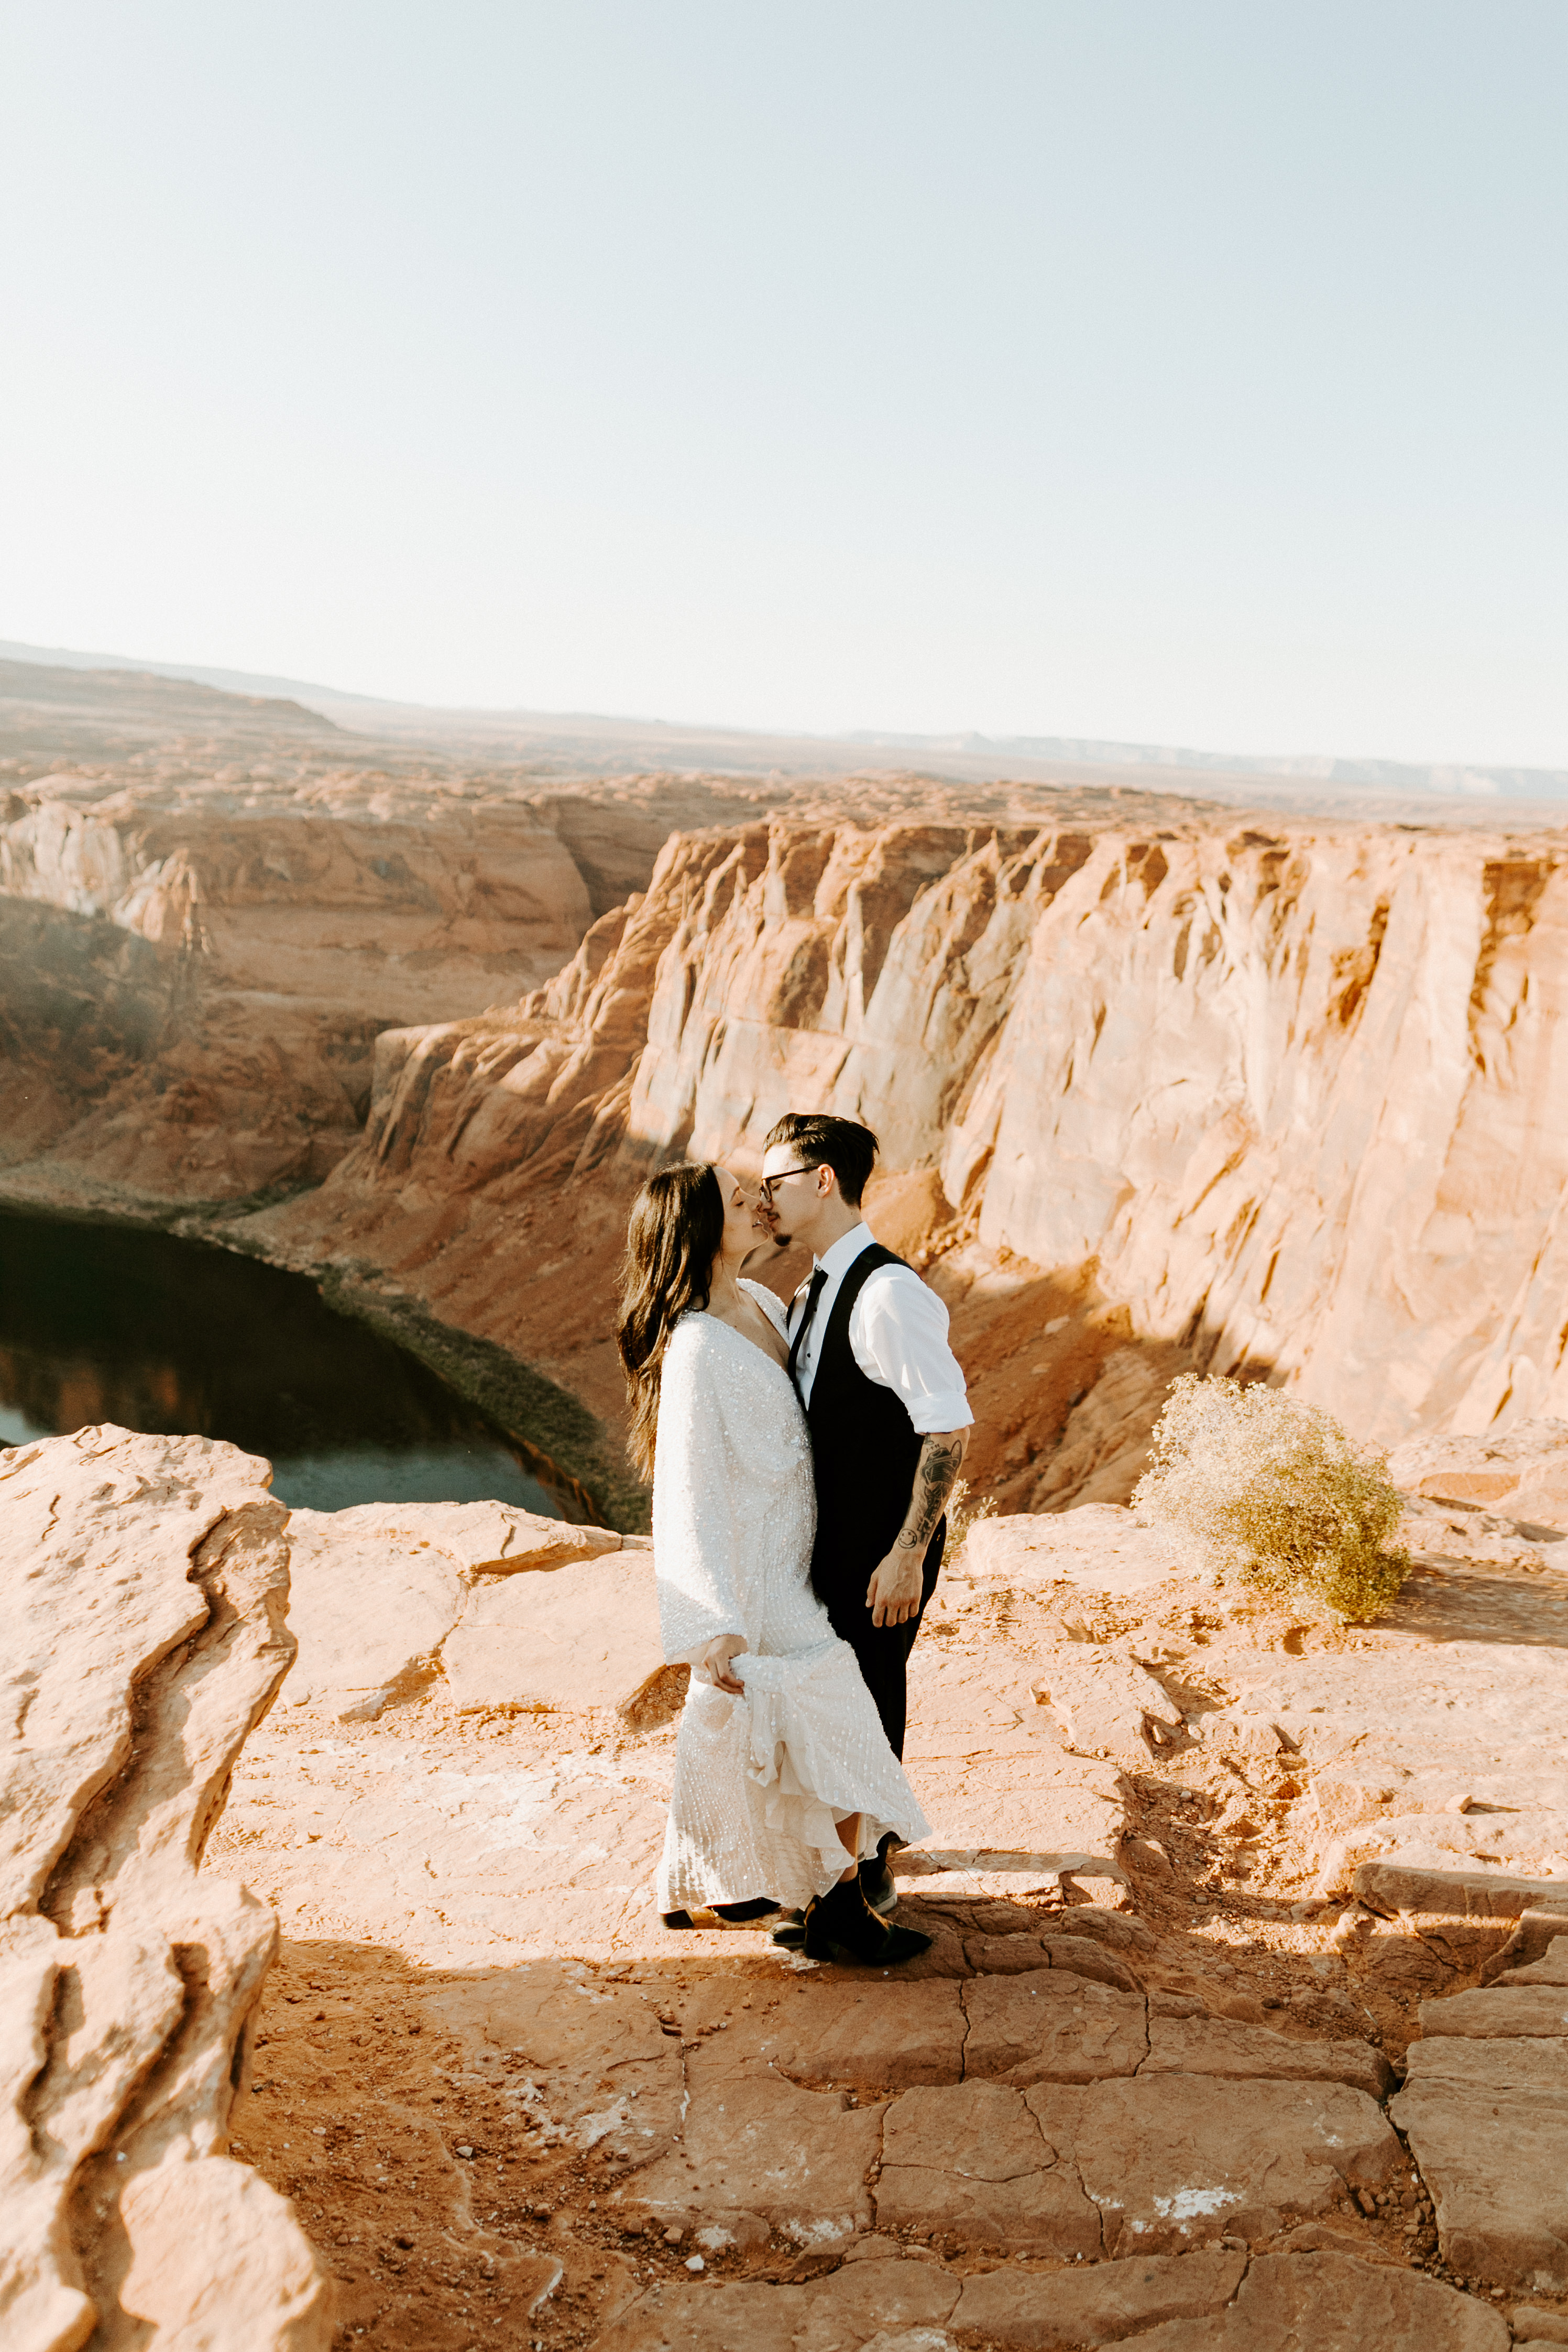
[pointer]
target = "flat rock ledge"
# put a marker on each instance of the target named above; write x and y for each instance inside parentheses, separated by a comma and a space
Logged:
(144, 1582)
(1224, 2302)
(1485, 2109)
(1021, 2163)
(385, 1597)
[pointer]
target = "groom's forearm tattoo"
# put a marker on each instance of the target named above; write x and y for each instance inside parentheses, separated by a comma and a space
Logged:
(935, 1474)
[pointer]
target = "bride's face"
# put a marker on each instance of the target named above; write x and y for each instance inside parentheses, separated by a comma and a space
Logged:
(746, 1227)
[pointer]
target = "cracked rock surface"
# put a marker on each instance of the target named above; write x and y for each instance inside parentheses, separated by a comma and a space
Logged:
(144, 1583)
(1485, 2108)
(1138, 2086)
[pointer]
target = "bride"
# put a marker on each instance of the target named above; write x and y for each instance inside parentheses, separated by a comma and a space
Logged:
(783, 1773)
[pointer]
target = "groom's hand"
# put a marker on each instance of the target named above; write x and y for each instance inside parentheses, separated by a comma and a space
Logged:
(893, 1596)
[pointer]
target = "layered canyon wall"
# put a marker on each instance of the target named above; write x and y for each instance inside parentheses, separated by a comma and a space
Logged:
(194, 980)
(1281, 1102)
(1154, 1089)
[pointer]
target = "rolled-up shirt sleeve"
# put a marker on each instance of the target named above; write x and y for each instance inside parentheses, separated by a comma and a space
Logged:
(898, 1332)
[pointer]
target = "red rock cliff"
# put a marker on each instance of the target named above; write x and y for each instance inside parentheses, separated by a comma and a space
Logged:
(1285, 1099)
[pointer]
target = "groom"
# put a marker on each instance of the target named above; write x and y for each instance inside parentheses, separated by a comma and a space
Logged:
(886, 1406)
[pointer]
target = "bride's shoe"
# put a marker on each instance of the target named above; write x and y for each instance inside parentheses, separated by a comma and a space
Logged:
(842, 1926)
(733, 1914)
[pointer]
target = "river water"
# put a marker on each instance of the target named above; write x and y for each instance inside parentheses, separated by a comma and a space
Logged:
(99, 1323)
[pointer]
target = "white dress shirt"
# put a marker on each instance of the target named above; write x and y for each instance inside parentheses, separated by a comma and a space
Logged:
(898, 1335)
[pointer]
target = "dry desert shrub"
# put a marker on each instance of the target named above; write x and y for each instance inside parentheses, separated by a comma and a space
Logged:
(964, 1510)
(1274, 1491)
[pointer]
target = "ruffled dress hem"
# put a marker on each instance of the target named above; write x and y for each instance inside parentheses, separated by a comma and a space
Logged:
(807, 1746)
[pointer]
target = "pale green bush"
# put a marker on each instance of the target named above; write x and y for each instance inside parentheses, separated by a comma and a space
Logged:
(1273, 1491)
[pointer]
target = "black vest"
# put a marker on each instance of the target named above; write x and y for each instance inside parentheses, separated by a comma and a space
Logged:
(865, 1448)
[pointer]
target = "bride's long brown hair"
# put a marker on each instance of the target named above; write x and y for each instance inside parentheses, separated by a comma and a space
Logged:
(674, 1236)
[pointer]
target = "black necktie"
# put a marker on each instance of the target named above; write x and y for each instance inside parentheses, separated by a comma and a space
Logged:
(815, 1292)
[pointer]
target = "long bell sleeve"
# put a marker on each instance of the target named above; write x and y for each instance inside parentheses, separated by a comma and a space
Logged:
(696, 1533)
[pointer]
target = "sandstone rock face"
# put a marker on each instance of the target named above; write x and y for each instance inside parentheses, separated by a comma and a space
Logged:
(1328, 1758)
(1058, 2080)
(145, 1583)
(1203, 2303)
(1079, 2151)
(392, 902)
(1458, 1772)
(1169, 2163)
(585, 1636)
(995, 1008)
(1220, 2046)
(1099, 1544)
(1052, 2027)
(1485, 2108)
(1114, 2300)
(1514, 1478)
(194, 980)
(383, 1596)
(1552, 1967)
(1336, 2304)
(1118, 1076)
(1440, 1787)
(1111, 1706)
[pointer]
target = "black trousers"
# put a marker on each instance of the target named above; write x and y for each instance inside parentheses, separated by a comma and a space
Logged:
(882, 1651)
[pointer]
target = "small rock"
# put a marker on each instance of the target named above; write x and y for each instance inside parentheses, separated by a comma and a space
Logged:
(673, 2236)
(1534, 2323)
(696, 2263)
(464, 2150)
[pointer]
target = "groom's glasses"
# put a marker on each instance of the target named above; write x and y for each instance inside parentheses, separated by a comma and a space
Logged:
(770, 1183)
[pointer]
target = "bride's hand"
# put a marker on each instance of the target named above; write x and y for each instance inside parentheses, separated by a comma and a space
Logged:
(713, 1666)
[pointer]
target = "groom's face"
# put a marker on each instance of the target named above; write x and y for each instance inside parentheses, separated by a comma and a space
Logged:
(791, 1194)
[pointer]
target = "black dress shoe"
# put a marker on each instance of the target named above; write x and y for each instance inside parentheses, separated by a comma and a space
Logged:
(877, 1883)
(842, 1926)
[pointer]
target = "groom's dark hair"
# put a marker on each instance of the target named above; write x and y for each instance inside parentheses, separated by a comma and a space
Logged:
(841, 1144)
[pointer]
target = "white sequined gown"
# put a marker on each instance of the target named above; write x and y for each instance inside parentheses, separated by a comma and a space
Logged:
(760, 1781)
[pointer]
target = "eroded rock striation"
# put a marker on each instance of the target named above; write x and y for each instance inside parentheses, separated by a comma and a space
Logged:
(193, 980)
(1277, 1101)
(1144, 2050)
(145, 1583)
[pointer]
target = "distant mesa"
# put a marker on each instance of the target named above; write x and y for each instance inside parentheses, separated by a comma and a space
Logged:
(1306, 783)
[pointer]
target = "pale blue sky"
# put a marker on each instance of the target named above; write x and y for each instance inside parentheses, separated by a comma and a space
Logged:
(1182, 371)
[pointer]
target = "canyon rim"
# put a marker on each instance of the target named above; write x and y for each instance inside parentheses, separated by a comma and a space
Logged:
(1237, 1082)
(1186, 1084)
